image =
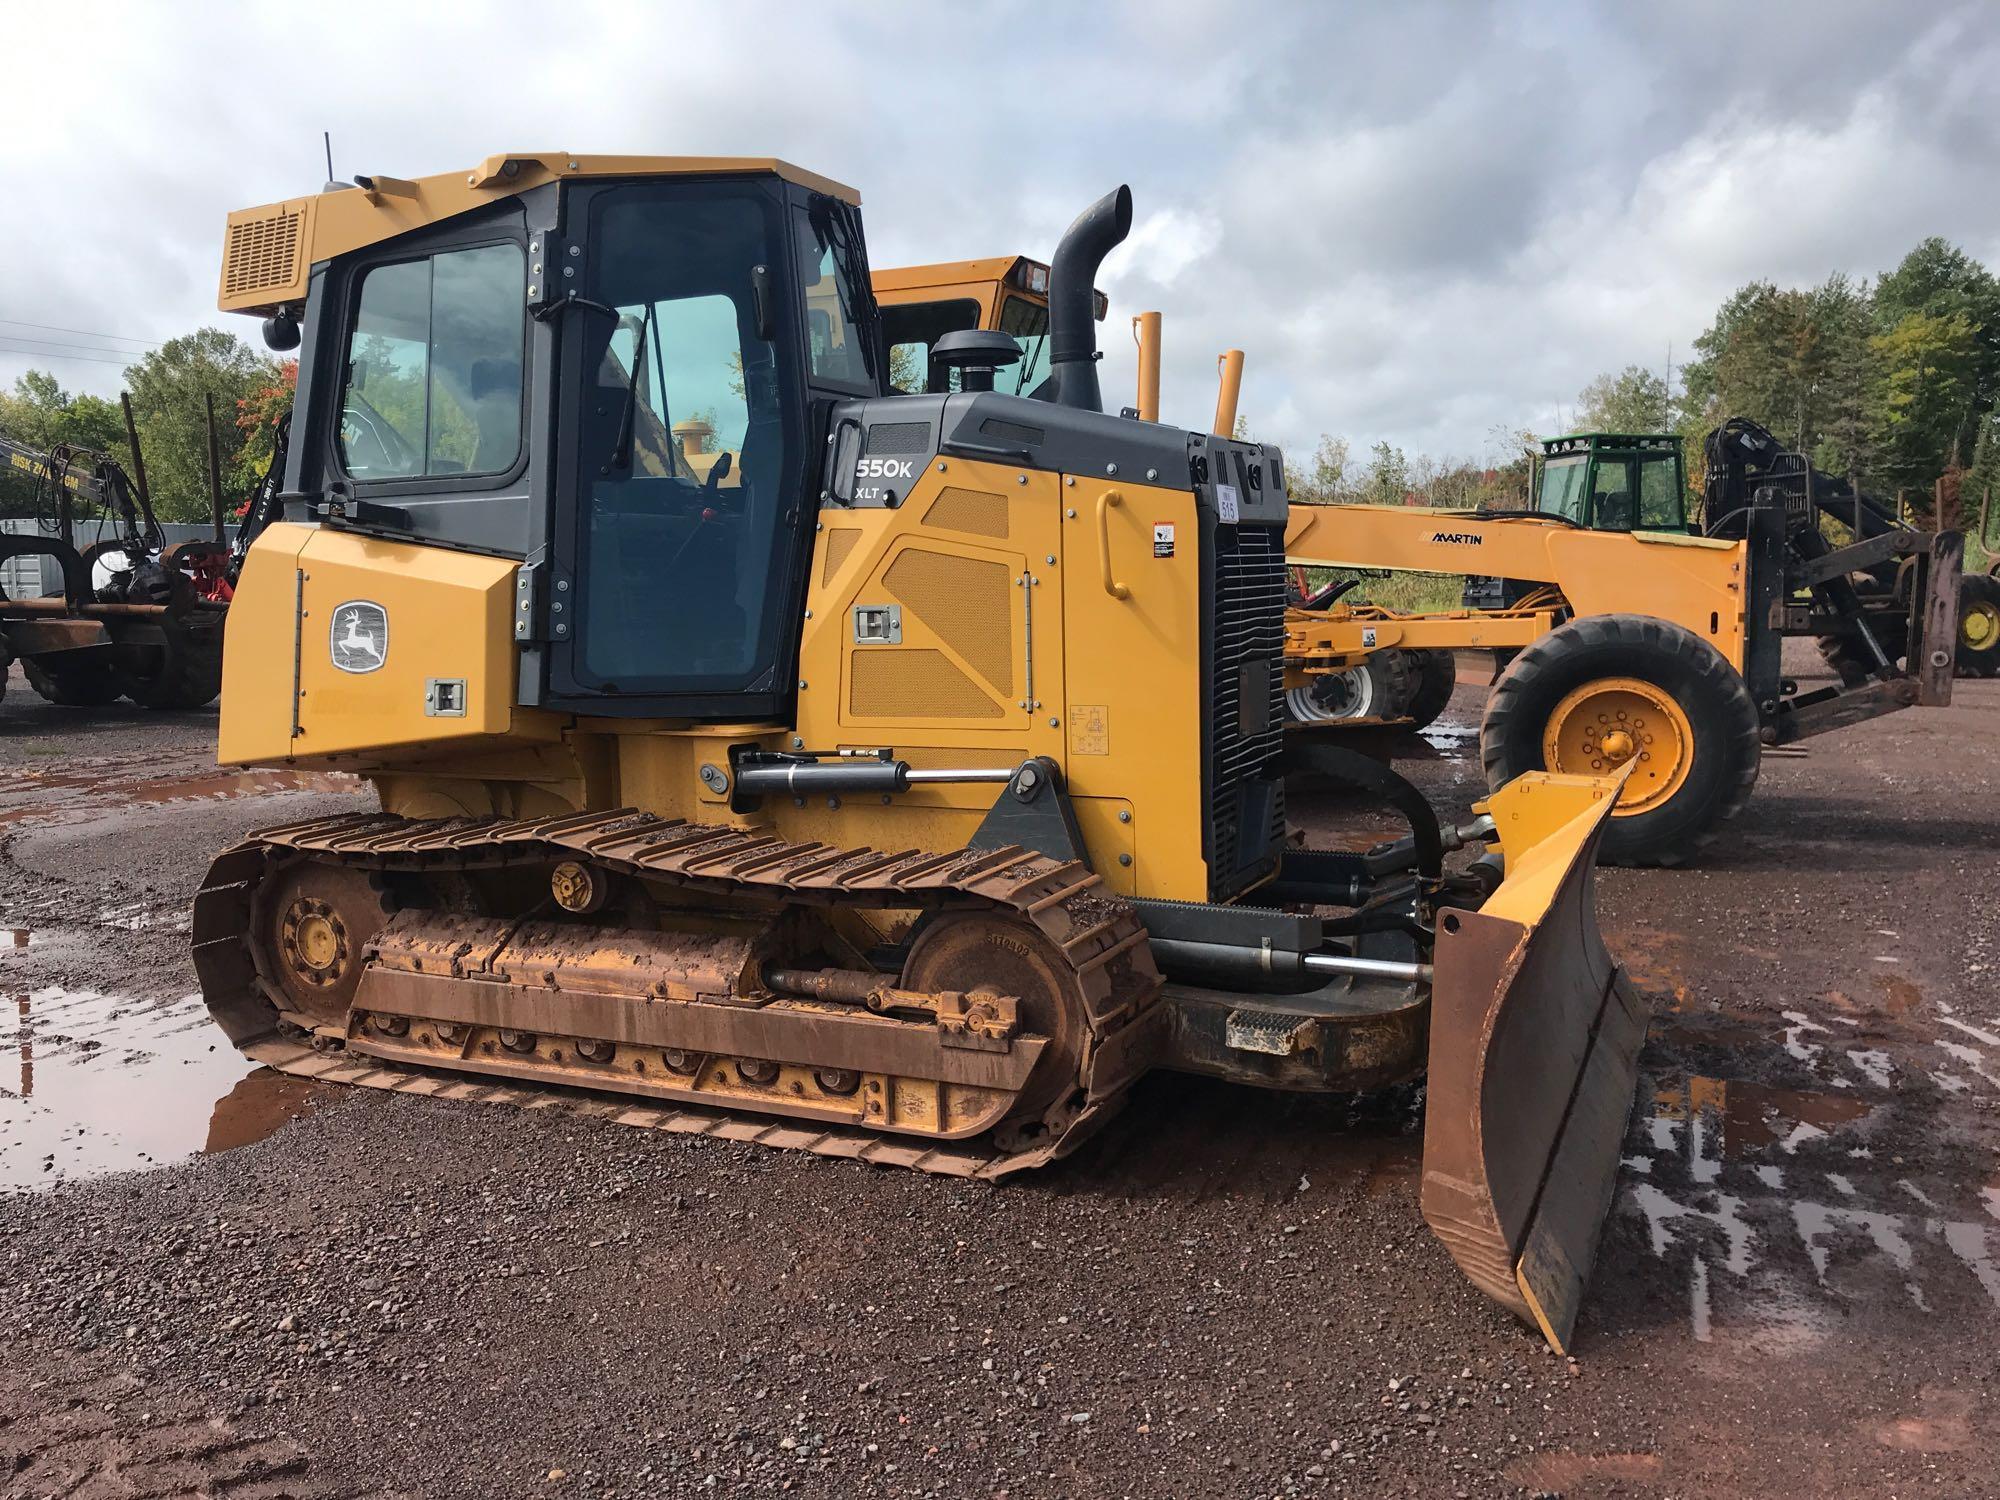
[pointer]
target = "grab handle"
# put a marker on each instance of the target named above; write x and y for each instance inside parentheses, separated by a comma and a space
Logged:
(1105, 502)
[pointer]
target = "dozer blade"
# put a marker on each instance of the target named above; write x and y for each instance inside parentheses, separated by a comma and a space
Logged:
(1534, 1053)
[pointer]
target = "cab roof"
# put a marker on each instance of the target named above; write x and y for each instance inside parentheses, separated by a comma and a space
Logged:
(269, 251)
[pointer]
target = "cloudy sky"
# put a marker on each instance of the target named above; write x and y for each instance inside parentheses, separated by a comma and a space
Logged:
(1423, 222)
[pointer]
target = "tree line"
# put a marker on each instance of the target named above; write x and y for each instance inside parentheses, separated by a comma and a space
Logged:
(1892, 383)
(170, 388)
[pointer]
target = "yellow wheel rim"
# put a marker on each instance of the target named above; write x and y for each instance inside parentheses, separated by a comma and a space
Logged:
(1615, 720)
(1979, 625)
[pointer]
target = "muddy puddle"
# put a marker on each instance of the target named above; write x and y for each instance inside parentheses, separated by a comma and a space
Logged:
(92, 1083)
(1788, 1211)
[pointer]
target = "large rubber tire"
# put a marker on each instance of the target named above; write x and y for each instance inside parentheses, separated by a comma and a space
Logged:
(72, 687)
(1717, 733)
(1436, 676)
(188, 675)
(1376, 689)
(1978, 650)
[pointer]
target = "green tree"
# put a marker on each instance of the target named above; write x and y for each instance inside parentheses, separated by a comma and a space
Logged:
(257, 417)
(1388, 479)
(168, 387)
(40, 413)
(1795, 360)
(1941, 280)
(1927, 375)
(1633, 400)
(1324, 481)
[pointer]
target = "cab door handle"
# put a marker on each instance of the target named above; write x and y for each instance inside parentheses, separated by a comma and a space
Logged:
(1105, 504)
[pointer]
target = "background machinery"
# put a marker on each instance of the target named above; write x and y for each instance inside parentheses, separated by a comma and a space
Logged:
(135, 618)
(904, 792)
(1633, 640)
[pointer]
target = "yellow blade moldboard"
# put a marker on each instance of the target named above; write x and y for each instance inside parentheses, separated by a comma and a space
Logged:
(1534, 1056)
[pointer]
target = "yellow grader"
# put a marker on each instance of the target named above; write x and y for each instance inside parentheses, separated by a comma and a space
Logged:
(893, 776)
(1636, 641)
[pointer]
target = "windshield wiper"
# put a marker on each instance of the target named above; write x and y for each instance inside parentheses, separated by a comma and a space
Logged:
(628, 420)
(842, 226)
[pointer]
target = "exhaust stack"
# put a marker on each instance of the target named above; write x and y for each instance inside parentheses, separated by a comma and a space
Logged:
(1072, 284)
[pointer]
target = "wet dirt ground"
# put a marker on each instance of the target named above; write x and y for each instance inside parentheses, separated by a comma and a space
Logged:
(219, 1281)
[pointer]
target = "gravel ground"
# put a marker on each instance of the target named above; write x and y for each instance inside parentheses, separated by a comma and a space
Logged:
(1227, 1294)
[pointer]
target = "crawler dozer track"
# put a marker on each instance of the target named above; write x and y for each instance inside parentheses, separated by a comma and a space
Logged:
(364, 949)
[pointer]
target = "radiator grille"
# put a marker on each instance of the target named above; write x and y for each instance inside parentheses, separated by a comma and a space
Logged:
(1246, 808)
(262, 254)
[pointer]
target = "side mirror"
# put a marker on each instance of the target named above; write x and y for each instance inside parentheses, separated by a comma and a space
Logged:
(281, 333)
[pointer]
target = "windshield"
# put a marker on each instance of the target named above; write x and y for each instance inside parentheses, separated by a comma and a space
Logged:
(913, 328)
(1028, 322)
(1563, 492)
(688, 427)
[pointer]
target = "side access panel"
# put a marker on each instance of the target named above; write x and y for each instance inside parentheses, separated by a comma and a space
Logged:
(1534, 1055)
(339, 644)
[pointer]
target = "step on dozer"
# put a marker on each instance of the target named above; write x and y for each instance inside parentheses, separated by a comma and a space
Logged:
(766, 755)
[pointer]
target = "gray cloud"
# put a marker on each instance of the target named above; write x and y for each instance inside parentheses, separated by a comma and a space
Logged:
(1422, 221)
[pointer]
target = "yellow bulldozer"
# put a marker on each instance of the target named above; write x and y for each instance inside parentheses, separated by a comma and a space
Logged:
(785, 758)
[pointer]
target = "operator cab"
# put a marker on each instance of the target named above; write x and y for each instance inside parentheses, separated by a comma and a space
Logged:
(618, 371)
(921, 304)
(1615, 481)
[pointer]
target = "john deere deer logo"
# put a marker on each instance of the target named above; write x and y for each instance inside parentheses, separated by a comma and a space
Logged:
(360, 636)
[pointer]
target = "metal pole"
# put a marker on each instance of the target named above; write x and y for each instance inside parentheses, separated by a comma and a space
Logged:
(1368, 968)
(1146, 331)
(138, 459)
(1230, 367)
(214, 472)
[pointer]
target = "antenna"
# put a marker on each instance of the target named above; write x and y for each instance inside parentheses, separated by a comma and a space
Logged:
(326, 138)
(1667, 398)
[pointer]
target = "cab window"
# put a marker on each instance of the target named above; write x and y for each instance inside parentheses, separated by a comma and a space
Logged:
(912, 328)
(834, 342)
(688, 421)
(1660, 499)
(1563, 491)
(433, 379)
(1613, 505)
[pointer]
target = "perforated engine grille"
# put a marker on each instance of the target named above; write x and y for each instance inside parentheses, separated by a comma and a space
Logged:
(262, 254)
(977, 512)
(967, 602)
(839, 542)
(913, 682)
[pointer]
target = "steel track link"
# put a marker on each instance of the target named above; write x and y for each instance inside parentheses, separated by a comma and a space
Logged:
(1096, 932)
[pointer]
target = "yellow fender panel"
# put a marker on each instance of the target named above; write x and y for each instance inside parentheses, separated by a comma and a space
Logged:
(293, 691)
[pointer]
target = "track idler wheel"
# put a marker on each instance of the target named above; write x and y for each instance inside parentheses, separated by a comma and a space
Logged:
(1007, 955)
(314, 924)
